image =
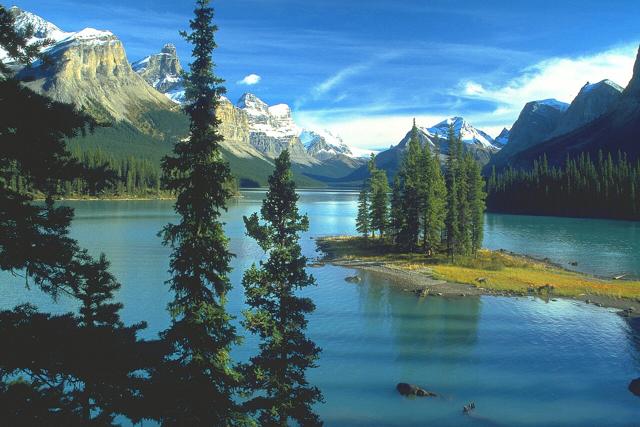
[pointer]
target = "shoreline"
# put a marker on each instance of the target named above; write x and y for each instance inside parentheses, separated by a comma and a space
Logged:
(424, 282)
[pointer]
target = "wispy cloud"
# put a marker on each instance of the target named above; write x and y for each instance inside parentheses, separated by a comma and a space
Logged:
(559, 77)
(250, 80)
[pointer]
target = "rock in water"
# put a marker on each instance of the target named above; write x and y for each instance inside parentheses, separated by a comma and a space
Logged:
(634, 386)
(353, 279)
(407, 389)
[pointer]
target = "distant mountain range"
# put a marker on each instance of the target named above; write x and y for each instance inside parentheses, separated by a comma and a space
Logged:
(141, 104)
(602, 116)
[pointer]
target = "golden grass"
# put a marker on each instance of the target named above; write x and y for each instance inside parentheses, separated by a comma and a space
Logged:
(500, 271)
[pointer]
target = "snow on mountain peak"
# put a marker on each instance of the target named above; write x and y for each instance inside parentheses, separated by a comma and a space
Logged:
(462, 128)
(42, 29)
(553, 103)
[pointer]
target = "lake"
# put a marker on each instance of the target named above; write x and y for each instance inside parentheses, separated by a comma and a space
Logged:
(524, 362)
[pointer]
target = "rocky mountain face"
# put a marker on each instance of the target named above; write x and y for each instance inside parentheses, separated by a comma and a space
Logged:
(615, 130)
(323, 145)
(272, 129)
(536, 123)
(502, 139)
(592, 102)
(89, 68)
(163, 72)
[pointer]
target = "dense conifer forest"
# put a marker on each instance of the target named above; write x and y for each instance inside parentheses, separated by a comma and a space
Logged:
(428, 211)
(606, 187)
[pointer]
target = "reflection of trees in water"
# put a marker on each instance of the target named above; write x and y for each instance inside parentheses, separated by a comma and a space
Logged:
(433, 332)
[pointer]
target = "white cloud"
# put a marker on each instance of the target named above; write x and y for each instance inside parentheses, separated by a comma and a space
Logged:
(560, 78)
(250, 80)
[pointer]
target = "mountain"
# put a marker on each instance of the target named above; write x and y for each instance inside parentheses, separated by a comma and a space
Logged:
(163, 72)
(476, 142)
(616, 130)
(502, 139)
(42, 29)
(323, 144)
(272, 129)
(89, 68)
(536, 123)
(592, 102)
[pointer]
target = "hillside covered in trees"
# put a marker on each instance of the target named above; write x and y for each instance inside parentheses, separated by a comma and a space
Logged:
(605, 187)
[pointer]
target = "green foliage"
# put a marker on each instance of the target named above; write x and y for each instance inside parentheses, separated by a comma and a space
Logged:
(583, 187)
(197, 377)
(17, 44)
(434, 194)
(62, 370)
(379, 198)
(276, 314)
(363, 223)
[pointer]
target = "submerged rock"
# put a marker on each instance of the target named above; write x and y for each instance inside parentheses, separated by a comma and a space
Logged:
(407, 389)
(468, 408)
(634, 386)
(353, 279)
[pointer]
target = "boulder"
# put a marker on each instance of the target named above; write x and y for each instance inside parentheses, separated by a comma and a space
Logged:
(634, 386)
(407, 389)
(353, 279)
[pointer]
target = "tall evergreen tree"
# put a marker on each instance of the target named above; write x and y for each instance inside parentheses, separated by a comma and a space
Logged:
(198, 375)
(363, 224)
(434, 195)
(464, 207)
(396, 213)
(276, 314)
(412, 176)
(379, 198)
(452, 224)
(60, 370)
(477, 198)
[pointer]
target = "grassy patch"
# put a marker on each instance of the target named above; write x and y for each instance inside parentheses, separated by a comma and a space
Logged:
(489, 269)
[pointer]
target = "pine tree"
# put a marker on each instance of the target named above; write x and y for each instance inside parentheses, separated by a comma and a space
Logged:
(198, 375)
(477, 198)
(379, 198)
(363, 225)
(464, 207)
(396, 213)
(276, 314)
(434, 196)
(452, 225)
(412, 175)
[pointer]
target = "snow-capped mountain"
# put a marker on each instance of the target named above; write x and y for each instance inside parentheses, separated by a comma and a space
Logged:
(463, 129)
(273, 129)
(89, 68)
(323, 145)
(42, 29)
(163, 72)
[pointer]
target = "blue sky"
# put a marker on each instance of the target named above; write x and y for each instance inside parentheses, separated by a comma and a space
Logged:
(365, 68)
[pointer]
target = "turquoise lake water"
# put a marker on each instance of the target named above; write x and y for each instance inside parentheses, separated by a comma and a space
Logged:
(522, 361)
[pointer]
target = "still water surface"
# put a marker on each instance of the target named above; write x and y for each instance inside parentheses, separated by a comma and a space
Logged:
(522, 361)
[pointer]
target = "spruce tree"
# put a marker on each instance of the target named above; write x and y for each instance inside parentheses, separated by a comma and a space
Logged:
(379, 198)
(412, 175)
(278, 373)
(434, 199)
(363, 225)
(396, 214)
(452, 225)
(477, 198)
(198, 376)
(464, 207)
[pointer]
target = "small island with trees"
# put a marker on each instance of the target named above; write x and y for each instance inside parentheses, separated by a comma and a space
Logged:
(425, 234)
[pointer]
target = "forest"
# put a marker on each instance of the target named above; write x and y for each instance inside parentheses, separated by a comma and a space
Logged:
(426, 210)
(87, 368)
(606, 187)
